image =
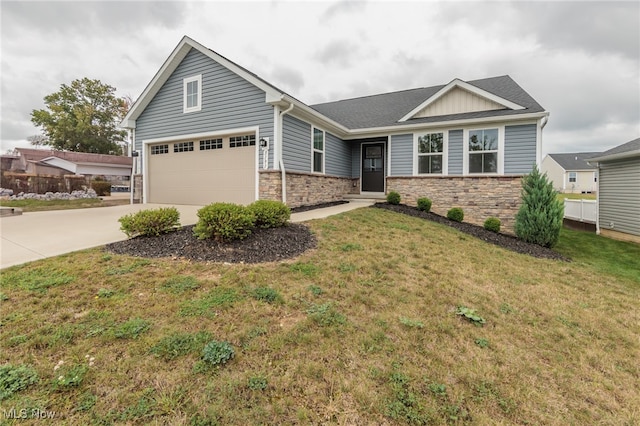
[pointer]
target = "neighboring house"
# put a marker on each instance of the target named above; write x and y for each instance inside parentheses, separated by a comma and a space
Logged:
(60, 163)
(571, 172)
(209, 130)
(619, 191)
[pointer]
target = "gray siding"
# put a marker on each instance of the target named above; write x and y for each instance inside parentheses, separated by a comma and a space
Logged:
(620, 196)
(338, 156)
(228, 102)
(402, 155)
(296, 141)
(519, 148)
(356, 164)
(455, 152)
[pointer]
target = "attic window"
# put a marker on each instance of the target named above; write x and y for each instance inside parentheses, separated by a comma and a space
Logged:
(192, 87)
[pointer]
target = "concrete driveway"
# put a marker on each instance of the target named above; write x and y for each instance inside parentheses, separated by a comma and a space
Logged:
(38, 235)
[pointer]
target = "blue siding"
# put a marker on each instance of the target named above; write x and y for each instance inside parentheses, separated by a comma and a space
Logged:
(296, 141)
(356, 162)
(519, 148)
(228, 102)
(402, 155)
(338, 156)
(455, 152)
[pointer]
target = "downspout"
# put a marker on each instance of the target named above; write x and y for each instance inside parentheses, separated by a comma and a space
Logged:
(543, 122)
(283, 173)
(134, 160)
(598, 200)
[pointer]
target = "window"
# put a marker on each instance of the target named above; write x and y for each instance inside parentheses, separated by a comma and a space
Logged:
(572, 177)
(192, 93)
(595, 176)
(318, 150)
(159, 149)
(210, 144)
(430, 152)
(483, 151)
(183, 147)
(238, 141)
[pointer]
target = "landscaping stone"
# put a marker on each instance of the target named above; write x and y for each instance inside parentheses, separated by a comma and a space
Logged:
(75, 195)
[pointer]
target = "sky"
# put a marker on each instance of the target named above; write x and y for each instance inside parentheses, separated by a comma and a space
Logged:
(579, 60)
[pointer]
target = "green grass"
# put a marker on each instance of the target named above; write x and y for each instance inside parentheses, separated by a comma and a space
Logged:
(361, 330)
(42, 205)
(569, 196)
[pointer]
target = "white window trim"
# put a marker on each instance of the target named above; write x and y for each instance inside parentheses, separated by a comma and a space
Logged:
(445, 152)
(185, 82)
(323, 151)
(465, 150)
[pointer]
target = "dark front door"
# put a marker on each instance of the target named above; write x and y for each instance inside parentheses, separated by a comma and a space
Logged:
(372, 167)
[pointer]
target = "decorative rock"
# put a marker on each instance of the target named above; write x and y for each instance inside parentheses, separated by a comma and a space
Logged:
(75, 195)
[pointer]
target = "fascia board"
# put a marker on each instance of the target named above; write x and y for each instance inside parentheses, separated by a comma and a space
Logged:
(468, 87)
(618, 156)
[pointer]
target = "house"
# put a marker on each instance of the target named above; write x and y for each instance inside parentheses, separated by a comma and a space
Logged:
(41, 170)
(209, 130)
(571, 172)
(619, 191)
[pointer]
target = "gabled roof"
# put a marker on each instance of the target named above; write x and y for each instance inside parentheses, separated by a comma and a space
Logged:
(389, 109)
(626, 150)
(40, 155)
(574, 161)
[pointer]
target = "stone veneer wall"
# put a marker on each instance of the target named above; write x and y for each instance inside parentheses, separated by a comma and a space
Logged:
(137, 189)
(304, 189)
(479, 197)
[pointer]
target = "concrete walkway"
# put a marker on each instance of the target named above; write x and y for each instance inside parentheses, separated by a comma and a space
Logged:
(38, 235)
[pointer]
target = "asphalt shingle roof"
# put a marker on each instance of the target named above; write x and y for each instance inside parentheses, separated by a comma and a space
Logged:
(386, 109)
(574, 160)
(633, 145)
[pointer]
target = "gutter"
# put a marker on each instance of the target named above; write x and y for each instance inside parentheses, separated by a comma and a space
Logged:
(283, 172)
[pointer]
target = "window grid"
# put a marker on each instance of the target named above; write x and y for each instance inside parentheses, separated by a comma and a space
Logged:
(183, 147)
(318, 151)
(245, 140)
(211, 144)
(483, 151)
(430, 153)
(192, 94)
(573, 177)
(159, 149)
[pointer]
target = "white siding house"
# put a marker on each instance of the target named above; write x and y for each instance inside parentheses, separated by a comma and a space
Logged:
(571, 172)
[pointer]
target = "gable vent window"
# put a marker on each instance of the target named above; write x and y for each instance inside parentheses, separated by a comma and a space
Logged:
(483, 151)
(238, 141)
(159, 149)
(210, 144)
(183, 147)
(192, 87)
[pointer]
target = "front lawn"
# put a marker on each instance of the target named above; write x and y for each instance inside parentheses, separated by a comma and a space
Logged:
(42, 205)
(380, 324)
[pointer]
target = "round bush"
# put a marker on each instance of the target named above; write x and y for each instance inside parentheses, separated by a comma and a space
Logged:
(150, 222)
(492, 224)
(424, 204)
(455, 214)
(224, 222)
(270, 214)
(393, 198)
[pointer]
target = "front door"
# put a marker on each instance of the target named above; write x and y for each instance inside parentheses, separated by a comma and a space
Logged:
(372, 167)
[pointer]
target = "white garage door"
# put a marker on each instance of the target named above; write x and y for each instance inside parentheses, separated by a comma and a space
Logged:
(203, 171)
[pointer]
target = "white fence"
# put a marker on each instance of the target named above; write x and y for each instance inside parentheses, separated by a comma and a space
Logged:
(580, 210)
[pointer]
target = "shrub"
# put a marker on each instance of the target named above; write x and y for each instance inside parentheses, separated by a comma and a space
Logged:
(393, 198)
(217, 353)
(102, 188)
(492, 224)
(150, 222)
(269, 214)
(224, 222)
(15, 378)
(539, 218)
(424, 204)
(455, 214)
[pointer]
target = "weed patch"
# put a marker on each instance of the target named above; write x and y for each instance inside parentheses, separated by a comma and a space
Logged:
(180, 344)
(180, 284)
(131, 329)
(14, 378)
(219, 297)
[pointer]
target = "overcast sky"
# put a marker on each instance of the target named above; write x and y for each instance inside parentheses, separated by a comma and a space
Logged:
(579, 60)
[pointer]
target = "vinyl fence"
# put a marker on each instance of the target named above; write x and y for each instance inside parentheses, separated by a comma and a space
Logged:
(580, 210)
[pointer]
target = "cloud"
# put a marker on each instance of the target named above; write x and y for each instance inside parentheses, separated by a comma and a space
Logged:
(337, 53)
(289, 79)
(341, 8)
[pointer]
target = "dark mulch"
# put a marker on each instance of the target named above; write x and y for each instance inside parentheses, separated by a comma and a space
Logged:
(506, 241)
(263, 245)
(317, 206)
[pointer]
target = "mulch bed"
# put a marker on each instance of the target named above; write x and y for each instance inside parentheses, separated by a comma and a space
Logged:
(506, 241)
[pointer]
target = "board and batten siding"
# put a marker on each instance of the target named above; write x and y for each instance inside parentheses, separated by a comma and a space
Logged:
(402, 155)
(519, 148)
(228, 102)
(296, 144)
(337, 156)
(455, 154)
(619, 197)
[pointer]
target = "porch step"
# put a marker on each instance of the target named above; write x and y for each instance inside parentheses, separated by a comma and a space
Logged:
(365, 197)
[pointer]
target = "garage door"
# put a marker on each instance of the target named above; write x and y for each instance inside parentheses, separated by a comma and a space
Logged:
(203, 171)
